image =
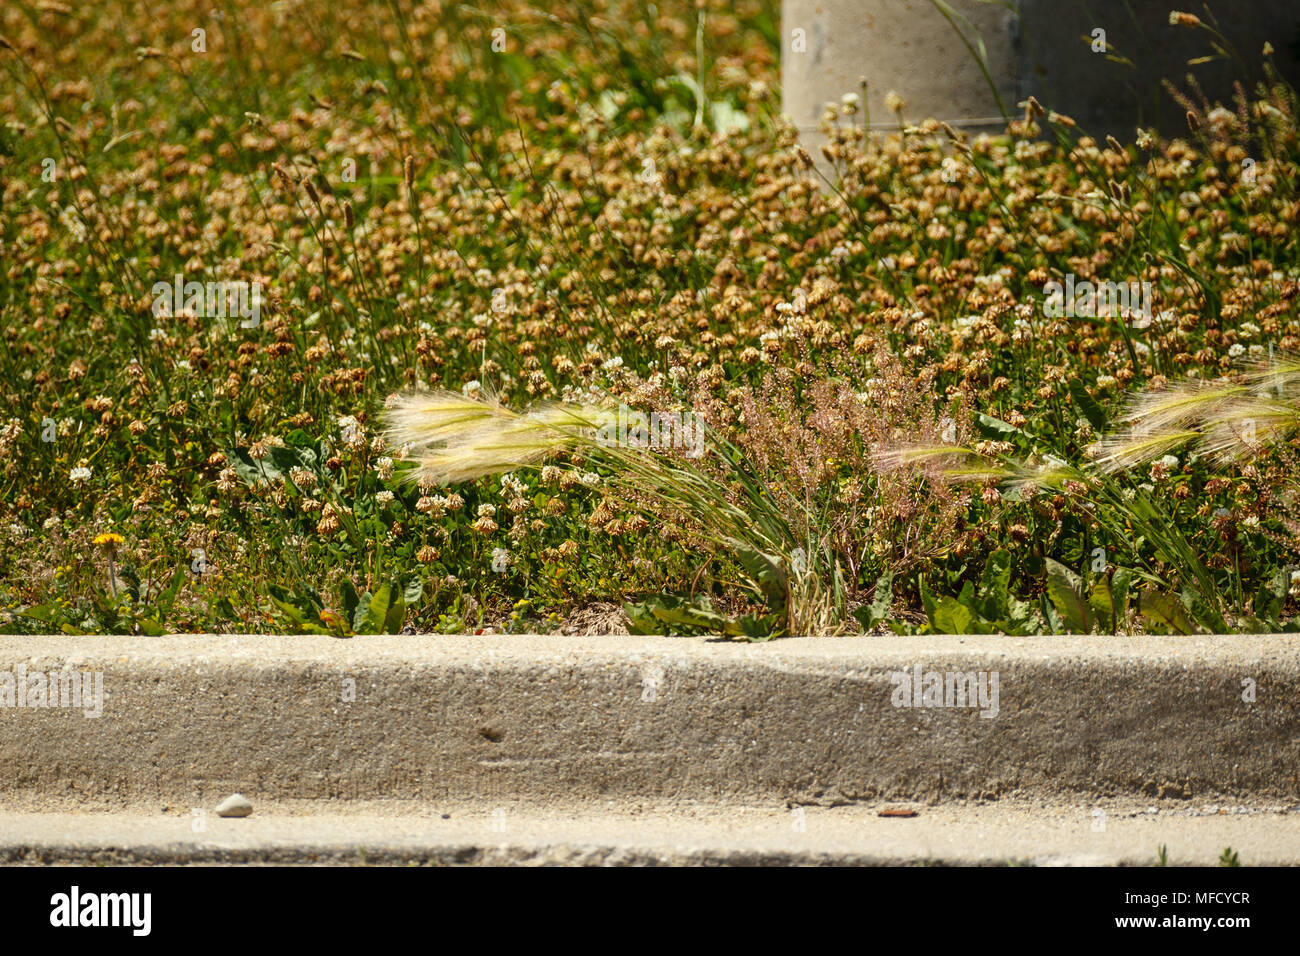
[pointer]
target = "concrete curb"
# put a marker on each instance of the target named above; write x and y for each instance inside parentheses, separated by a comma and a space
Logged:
(991, 835)
(188, 720)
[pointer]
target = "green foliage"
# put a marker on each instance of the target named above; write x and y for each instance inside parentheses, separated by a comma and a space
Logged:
(984, 608)
(132, 610)
(869, 615)
(668, 614)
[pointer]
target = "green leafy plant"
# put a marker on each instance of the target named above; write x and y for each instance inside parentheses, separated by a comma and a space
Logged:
(984, 608)
(1082, 609)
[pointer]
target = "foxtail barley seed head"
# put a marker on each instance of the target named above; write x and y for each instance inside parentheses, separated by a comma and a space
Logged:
(1230, 422)
(455, 438)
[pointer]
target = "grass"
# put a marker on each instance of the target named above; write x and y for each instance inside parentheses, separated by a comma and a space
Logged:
(480, 232)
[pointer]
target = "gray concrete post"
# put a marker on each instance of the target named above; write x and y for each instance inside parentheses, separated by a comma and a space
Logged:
(1100, 62)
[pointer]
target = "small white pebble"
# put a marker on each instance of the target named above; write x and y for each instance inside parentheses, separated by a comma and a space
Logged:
(235, 805)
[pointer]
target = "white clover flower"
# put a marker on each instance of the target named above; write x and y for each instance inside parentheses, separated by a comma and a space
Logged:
(500, 560)
(1221, 117)
(72, 222)
(1170, 462)
(472, 388)
(79, 475)
(487, 511)
(384, 468)
(384, 497)
(612, 363)
(1236, 351)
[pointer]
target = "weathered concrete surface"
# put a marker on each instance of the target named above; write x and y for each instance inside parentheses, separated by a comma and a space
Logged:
(902, 45)
(1000, 834)
(1109, 81)
(189, 720)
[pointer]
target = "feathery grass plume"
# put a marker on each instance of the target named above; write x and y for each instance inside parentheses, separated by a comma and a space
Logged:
(1245, 427)
(1047, 472)
(425, 418)
(1129, 449)
(1278, 376)
(899, 456)
(1170, 410)
(1230, 422)
(954, 462)
(455, 438)
(957, 464)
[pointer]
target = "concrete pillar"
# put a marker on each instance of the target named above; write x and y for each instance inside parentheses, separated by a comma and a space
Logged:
(1108, 82)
